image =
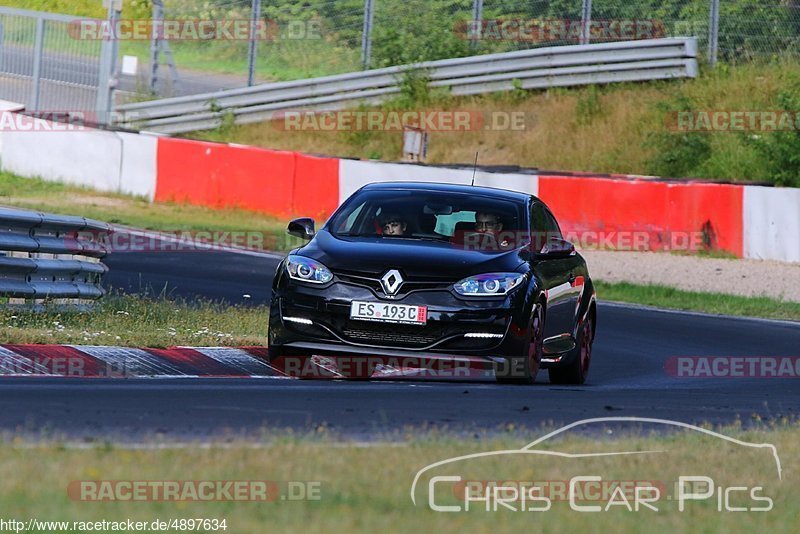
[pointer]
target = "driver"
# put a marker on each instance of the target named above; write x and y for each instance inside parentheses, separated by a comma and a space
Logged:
(489, 225)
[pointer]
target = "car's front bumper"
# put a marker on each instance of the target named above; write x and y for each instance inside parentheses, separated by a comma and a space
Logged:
(450, 319)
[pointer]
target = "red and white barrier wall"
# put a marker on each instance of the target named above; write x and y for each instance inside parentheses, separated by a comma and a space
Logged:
(106, 161)
(747, 221)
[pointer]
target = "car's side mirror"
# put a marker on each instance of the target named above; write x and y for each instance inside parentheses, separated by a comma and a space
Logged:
(557, 248)
(302, 228)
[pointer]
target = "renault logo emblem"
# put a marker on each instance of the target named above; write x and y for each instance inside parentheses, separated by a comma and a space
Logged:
(391, 282)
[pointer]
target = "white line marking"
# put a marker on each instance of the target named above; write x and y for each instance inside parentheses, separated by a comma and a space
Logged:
(131, 361)
(13, 364)
(199, 245)
(238, 359)
(615, 304)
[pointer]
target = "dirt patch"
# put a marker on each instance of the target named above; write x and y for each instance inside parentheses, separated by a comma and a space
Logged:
(749, 278)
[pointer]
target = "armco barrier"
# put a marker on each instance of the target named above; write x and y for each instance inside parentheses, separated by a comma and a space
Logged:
(266, 181)
(71, 273)
(660, 209)
(556, 66)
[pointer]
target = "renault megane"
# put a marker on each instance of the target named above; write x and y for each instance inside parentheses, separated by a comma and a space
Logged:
(443, 270)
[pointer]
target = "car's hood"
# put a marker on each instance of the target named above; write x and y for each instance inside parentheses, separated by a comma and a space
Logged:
(415, 258)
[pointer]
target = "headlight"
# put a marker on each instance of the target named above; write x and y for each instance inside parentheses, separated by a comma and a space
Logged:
(487, 285)
(308, 270)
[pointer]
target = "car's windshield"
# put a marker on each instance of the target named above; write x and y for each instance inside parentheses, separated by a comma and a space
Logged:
(444, 216)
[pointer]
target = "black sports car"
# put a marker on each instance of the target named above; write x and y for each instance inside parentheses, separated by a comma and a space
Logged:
(448, 271)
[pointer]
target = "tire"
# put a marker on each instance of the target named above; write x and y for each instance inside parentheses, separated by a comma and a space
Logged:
(529, 363)
(578, 369)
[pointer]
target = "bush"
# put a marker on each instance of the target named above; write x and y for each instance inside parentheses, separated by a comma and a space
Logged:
(780, 150)
(677, 155)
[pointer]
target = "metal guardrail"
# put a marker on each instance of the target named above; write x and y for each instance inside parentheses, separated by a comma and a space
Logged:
(35, 277)
(562, 66)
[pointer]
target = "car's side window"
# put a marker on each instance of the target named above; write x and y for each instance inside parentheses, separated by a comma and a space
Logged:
(552, 226)
(544, 226)
(538, 219)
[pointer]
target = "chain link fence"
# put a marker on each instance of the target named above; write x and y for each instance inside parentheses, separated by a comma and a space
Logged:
(42, 66)
(323, 37)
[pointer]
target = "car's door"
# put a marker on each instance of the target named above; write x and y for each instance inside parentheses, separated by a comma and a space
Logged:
(557, 274)
(574, 276)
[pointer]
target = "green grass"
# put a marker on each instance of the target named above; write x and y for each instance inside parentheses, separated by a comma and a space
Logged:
(153, 320)
(667, 297)
(138, 321)
(366, 488)
(55, 197)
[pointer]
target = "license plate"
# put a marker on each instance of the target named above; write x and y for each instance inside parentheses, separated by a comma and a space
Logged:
(389, 313)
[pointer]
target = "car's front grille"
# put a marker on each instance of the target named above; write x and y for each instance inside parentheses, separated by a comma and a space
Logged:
(395, 334)
(374, 283)
(389, 337)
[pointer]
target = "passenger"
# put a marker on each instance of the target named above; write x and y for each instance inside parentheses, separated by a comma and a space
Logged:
(394, 225)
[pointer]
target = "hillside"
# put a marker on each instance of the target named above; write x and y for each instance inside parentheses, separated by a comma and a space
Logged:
(623, 128)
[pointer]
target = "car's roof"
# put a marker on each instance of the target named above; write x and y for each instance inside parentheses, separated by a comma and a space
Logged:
(451, 188)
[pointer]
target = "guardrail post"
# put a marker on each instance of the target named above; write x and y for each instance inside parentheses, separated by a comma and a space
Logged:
(251, 56)
(477, 22)
(38, 51)
(366, 36)
(713, 33)
(586, 21)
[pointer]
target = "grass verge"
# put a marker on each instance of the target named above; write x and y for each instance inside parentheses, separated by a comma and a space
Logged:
(138, 212)
(142, 321)
(718, 303)
(138, 322)
(366, 487)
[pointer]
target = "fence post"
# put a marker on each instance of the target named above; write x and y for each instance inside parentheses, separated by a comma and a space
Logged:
(586, 21)
(366, 36)
(251, 56)
(38, 51)
(713, 33)
(2, 39)
(105, 84)
(477, 22)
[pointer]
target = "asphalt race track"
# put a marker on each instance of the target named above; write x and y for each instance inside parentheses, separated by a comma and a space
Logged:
(628, 376)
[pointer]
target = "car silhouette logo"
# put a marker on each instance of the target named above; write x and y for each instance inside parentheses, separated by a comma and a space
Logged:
(391, 282)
